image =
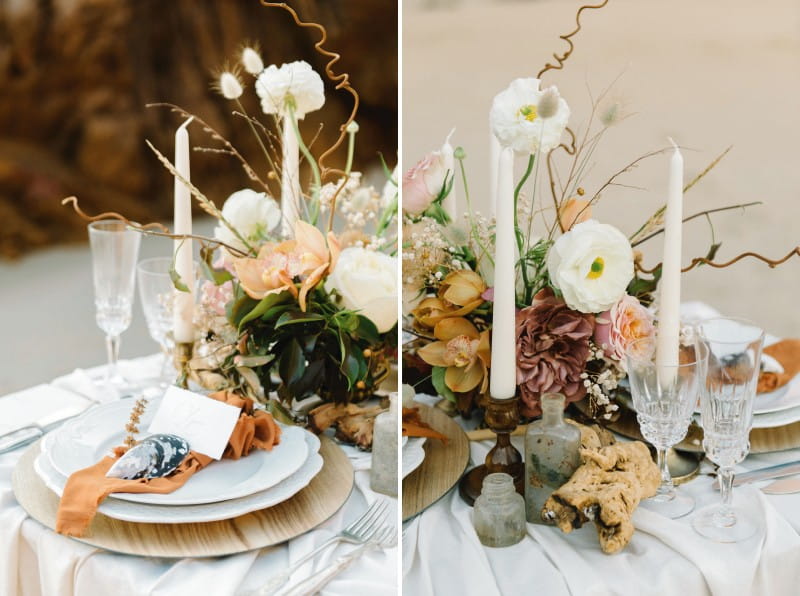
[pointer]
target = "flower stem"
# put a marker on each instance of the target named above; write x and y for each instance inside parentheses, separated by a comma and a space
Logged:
(258, 136)
(314, 210)
(351, 145)
(469, 210)
(517, 231)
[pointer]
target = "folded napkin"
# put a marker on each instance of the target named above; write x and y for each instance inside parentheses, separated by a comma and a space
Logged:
(787, 352)
(414, 426)
(42, 405)
(87, 488)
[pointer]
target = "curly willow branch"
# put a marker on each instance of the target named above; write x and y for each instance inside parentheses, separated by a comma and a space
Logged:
(153, 229)
(563, 58)
(570, 149)
(704, 261)
(341, 80)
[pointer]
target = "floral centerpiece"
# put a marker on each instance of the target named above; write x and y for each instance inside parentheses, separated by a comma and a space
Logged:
(583, 296)
(298, 294)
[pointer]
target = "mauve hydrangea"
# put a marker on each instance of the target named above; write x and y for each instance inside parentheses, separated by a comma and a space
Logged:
(552, 348)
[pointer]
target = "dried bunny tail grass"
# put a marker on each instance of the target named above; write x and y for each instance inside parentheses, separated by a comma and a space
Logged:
(150, 229)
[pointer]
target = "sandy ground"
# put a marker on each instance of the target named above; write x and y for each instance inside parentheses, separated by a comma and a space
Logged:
(710, 74)
(47, 315)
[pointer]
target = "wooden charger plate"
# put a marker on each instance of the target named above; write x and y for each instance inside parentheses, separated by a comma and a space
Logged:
(762, 440)
(313, 505)
(442, 467)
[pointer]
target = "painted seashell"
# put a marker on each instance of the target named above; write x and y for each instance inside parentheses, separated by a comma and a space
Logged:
(155, 457)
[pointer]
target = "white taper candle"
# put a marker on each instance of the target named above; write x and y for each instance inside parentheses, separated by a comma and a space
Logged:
(670, 296)
(503, 372)
(183, 309)
(290, 177)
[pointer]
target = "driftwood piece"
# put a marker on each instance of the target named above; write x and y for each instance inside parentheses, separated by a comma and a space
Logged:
(605, 489)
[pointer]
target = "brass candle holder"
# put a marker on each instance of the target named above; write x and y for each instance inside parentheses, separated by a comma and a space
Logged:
(501, 416)
(181, 357)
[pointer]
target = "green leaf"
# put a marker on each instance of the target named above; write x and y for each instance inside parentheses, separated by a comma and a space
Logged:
(255, 361)
(349, 364)
(386, 169)
(263, 306)
(280, 413)
(295, 316)
(238, 308)
(218, 276)
(292, 364)
(176, 279)
(367, 330)
(437, 378)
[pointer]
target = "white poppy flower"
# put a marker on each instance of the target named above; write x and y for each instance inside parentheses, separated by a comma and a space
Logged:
(528, 119)
(253, 214)
(591, 265)
(296, 82)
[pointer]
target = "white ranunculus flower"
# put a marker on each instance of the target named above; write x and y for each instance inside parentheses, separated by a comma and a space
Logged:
(295, 81)
(367, 283)
(253, 214)
(591, 265)
(528, 119)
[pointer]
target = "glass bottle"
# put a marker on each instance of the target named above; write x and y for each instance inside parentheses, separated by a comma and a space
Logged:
(385, 436)
(551, 455)
(499, 512)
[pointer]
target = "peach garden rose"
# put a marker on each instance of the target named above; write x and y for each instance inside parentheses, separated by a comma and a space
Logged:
(626, 322)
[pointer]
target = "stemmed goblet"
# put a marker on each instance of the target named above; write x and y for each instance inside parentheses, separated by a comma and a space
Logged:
(726, 407)
(664, 397)
(115, 249)
(156, 292)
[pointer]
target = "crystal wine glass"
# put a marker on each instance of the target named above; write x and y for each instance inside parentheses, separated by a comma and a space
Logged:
(664, 397)
(727, 399)
(156, 292)
(115, 249)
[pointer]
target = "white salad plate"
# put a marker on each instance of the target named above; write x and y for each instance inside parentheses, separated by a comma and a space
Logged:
(413, 454)
(168, 514)
(84, 441)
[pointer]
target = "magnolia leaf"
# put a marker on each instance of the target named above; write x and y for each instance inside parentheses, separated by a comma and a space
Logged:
(292, 363)
(280, 413)
(263, 306)
(254, 361)
(218, 276)
(367, 330)
(437, 378)
(251, 378)
(176, 279)
(296, 316)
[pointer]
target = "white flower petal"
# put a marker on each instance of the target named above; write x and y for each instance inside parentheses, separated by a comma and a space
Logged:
(295, 81)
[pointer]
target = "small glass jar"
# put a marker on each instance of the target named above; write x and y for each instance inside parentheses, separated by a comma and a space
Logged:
(499, 512)
(551, 455)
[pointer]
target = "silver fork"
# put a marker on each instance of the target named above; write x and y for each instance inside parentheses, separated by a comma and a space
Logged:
(359, 532)
(386, 537)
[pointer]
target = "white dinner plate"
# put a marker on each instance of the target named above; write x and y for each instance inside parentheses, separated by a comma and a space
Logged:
(168, 514)
(84, 441)
(413, 454)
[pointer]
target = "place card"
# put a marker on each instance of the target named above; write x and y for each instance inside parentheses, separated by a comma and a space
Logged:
(205, 423)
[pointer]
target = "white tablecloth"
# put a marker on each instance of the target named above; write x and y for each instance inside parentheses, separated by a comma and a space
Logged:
(35, 560)
(442, 554)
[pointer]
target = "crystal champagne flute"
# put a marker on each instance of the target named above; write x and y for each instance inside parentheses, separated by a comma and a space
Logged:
(156, 292)
(664, 397)
(115, 249)
(727, 398)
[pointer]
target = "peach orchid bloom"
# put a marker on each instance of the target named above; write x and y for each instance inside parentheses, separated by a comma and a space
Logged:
(274, 270)
(463, 351)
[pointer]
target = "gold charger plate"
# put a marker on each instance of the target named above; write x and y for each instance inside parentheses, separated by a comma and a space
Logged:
(762, 440)
(310, 507)
(442, 467)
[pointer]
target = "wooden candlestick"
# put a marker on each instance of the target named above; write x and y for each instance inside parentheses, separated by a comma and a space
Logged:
(501, 416)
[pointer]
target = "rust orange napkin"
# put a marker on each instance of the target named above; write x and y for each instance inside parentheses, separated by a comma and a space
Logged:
(87, 488)
(787, 352)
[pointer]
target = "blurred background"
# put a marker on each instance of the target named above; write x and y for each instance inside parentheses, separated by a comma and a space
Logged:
(710, 74)
(76, 76)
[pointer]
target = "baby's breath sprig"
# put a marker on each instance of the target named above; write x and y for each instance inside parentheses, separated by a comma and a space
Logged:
(132, 427)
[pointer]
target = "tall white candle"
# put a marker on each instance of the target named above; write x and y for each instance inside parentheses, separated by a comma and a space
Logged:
(503, 372)
(494, 159)
(670, 297)
(183, 309)
(290, 177)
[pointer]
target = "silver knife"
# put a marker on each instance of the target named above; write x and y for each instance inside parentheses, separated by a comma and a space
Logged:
(779, 471)
(28, 434)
